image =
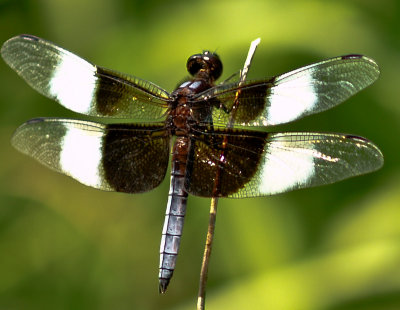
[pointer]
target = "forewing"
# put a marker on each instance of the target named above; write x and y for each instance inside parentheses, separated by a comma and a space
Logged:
(293, 95)
(121, 157)
(81, 86)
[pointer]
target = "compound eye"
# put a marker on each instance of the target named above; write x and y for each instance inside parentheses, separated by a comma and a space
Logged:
(194, 64)
(215, 66)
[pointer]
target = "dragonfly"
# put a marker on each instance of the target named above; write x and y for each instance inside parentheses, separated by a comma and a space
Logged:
(213, 134)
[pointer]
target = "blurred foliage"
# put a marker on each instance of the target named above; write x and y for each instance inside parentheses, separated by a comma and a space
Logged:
(66, 246)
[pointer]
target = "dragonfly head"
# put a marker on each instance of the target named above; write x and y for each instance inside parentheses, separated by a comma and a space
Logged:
(206, 63)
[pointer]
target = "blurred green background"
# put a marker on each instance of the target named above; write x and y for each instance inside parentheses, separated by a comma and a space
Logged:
(66, 246)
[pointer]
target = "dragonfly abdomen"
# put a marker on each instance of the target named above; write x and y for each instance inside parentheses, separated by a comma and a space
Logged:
(174, 215)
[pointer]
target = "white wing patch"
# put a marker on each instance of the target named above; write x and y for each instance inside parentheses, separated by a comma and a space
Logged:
(284, 170)
(73, 83)
(293, 95)
(81, 156)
